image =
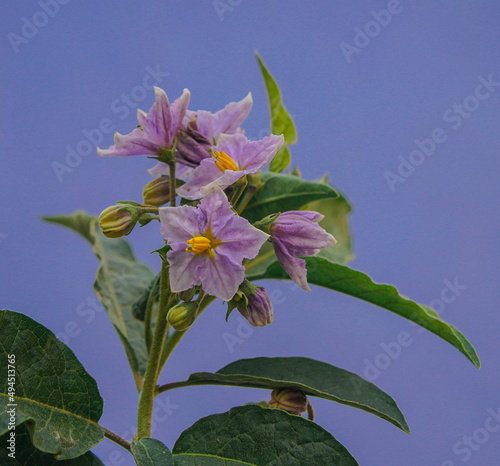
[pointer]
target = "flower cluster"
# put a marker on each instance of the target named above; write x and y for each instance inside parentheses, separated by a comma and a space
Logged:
(209, 242)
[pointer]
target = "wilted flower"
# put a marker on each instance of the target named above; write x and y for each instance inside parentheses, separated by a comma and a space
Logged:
(156, 130)
(290, 400)
(234, 156)
(297, 234)
(259, 310)
(208, 244)
(115, 221)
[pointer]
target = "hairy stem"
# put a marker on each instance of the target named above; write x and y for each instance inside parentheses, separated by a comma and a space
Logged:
(173, 183)
(146, 398)
(116, 438)
(148, 315)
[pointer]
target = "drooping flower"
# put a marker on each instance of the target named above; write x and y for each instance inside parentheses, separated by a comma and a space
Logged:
(209, 243)
(156, 131)
(234, 156)
(297, 234)
(259, 310)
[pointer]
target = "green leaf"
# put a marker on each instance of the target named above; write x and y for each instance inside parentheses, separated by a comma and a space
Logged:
(78, 221)
(120, 282)
(205, 460)
(281, 121)
(314, 378)
(53, 394)
(336, 222)
(322, 272)
(260, 436)
(27, 454)
(151, 452)
(280, 193)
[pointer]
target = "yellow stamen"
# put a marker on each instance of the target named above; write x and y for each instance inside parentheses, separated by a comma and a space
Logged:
(198, 244)
(224, 162)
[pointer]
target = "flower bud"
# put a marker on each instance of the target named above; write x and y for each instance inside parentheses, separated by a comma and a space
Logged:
(182, 316)
(291, 400)
(259, 310)
(116, 221)
(157, 192)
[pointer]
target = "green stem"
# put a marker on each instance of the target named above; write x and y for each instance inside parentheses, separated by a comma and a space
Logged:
(239, 188)
(173, 183)
(148, 315)
(116, 438)
(146, 398)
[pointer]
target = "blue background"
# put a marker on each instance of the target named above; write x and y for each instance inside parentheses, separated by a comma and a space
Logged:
(355, 116)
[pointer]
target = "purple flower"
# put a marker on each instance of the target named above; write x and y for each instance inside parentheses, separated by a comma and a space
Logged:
(156, 130)
(233, 157)
(259, 308)
(201, 130)
(209, 243)
(227, 120)
(297, 234)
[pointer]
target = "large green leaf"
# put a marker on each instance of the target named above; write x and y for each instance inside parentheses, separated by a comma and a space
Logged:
(120, 282)
(151, 452)
(205, 460)
(52, 392)
(280, 193)
(336, 222)
(322, 272)
(263, 436)
(27, 454)
(281, 121)
(313, 377)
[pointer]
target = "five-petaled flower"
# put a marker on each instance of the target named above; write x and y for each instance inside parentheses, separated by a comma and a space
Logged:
(297, 234)
(156, 130)
(208, 244)
(233, 157)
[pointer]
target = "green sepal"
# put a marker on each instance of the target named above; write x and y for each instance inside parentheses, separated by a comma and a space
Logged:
(265, 224)
(162, 252)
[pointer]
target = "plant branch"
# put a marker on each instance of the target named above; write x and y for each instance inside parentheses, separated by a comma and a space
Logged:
(115, 438)
(146, 398)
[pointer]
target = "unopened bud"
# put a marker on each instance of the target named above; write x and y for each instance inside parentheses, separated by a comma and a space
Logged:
(116, 221)
(182, 316)
(259, 310)
(291, 400)
(157, 192)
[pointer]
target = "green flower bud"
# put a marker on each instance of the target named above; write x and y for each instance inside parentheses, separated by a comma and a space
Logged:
(182, 316)
(157, 192)
(291, 400)
(116, 221)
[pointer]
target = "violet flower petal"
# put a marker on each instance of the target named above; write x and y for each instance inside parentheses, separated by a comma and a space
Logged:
(221, 277)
